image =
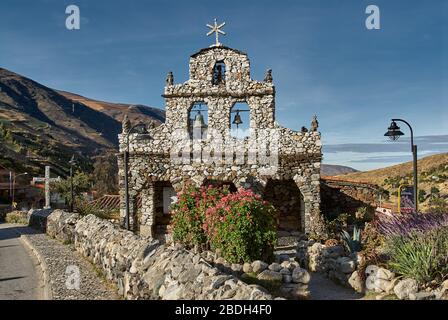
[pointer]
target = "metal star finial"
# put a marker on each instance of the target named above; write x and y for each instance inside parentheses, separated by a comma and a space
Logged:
(217, 30)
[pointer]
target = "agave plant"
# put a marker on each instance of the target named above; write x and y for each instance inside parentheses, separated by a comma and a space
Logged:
(352, 243)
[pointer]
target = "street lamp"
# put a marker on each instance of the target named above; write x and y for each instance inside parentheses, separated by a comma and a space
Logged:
(394, 133)
(14, 186)
(143, 134)
(72, 163)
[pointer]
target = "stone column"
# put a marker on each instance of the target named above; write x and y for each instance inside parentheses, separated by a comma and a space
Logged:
(312, 221)
(147, 220)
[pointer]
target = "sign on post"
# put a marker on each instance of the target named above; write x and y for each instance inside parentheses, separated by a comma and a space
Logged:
(406, 201)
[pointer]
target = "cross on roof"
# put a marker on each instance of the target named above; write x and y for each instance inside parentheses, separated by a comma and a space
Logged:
(217, 30)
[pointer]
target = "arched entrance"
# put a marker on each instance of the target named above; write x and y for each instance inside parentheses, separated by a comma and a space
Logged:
(286, 197)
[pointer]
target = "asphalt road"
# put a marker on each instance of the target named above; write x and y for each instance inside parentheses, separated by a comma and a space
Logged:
(19, 276)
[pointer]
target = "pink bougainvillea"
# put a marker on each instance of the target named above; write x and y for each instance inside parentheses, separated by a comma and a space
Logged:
(240, 224)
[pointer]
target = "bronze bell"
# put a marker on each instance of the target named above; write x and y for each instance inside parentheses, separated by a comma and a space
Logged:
(237, 120)
(199, 120)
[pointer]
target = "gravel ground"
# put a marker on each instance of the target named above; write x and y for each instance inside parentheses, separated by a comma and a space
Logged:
(322, 288)
(63, 262)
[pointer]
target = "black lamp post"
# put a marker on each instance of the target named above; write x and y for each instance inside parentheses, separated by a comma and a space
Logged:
(394, 133)
(72, 163)
(126, 169)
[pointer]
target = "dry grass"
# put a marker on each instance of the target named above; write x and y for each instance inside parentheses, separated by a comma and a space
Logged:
(377, 176)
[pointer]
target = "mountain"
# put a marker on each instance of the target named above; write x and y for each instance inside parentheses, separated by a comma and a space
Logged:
(136, 113)
(40, 125)
(334, 170)
(432, 177)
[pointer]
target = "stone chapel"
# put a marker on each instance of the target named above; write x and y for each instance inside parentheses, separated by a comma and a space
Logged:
(203, 142)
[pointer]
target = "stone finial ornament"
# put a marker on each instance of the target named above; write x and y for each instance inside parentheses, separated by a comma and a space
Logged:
(170, 79)
(268, 76)
(314, 124)
(125, 124)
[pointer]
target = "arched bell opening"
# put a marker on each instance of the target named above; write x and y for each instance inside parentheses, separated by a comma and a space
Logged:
(240, 120)
(198, 121)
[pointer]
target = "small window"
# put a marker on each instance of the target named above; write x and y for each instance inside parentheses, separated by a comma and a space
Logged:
(240, 120)
(198, 120)
(219, 73)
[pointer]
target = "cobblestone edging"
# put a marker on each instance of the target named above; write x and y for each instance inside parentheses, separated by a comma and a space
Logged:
(47, 294)
(59, 264)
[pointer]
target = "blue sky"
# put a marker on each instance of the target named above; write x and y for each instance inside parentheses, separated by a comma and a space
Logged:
(324, 60)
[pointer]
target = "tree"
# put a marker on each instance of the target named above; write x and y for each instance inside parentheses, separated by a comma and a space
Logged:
(438, 205)
(421, 195)
(81, 183)
(105, 175)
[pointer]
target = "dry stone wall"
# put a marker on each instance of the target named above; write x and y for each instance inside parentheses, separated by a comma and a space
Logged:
(146, 269)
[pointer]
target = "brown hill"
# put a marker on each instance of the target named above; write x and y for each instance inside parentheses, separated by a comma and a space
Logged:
(136, 113)
(379, 175)
(39, 125)
(432, 178)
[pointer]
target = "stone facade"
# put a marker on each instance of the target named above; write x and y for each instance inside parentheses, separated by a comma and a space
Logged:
(169, 156)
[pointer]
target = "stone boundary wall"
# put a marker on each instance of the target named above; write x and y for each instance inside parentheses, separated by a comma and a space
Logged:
(344, 196)
(333, 262)
(145, 269)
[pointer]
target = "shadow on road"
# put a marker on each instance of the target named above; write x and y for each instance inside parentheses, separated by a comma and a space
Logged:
(11, 231)
(11, 278)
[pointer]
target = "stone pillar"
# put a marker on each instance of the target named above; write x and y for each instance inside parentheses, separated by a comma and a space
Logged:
(121, 189)
(147, 220)
(312, 221)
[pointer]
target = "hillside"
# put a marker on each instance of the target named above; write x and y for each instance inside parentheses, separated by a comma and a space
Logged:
(39, 125)
(432, 177)
(136, 113)
(335, 170)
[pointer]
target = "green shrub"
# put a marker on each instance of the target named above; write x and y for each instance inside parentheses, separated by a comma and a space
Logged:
(242, 226)
(420, 255)
(19, 217)
(189, 213)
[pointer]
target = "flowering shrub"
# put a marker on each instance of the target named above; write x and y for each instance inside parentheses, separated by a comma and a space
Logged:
(416, 244)
(405, 224)
(189, 213)
(422, 256)
(242, 226)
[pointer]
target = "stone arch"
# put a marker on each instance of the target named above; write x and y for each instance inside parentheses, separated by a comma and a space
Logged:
(288, 199)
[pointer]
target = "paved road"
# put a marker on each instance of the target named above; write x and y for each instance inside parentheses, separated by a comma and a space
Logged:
(19, 277)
